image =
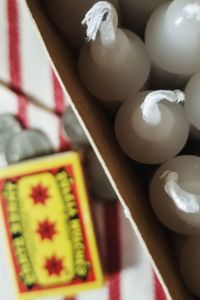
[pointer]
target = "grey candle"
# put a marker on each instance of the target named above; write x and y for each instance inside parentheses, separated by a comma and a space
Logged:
(149, 128)
(68, 14)
(175, 194)
(115, 65)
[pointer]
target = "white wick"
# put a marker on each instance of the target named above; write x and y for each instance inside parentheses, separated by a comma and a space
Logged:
(184, 201)
(150, 109)
(94, 20)
(192, 11)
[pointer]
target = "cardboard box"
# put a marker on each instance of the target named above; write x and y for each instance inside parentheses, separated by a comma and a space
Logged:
(125, 179)
(49, 234)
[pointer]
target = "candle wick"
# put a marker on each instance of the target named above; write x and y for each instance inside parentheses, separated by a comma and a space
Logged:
(101, 17)
(150, 110)
(184, 201)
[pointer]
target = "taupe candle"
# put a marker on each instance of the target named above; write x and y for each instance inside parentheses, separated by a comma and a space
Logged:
(67, 16)
(115, 64)
(149, 128)
(175, 194)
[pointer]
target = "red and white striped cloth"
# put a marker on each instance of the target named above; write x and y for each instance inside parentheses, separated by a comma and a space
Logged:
(31, 91)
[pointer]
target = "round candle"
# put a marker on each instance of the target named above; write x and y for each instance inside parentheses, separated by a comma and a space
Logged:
(27, 144)
(67, 16)
(190, 264)
(99, 182)
(73, 130)
(115, 65)
(149, 128)
(8, 126)
(172, 39)
(136, 13)
(192, 105)
(175, 194)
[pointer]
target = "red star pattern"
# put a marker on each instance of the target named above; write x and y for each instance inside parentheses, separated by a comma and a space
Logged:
(54, 266)
(39, 194)
(46, 230)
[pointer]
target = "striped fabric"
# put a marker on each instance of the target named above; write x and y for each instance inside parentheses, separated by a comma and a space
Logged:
(30, 90)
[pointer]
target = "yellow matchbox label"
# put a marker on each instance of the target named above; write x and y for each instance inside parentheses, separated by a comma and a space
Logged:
(48, 227)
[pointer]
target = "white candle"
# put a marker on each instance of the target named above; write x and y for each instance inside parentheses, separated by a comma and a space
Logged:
(137, 12)
(192, 105)
(150, 131)
(68, 14)
(190, 264)
(115, 65)
(175, 194)
(172, 38)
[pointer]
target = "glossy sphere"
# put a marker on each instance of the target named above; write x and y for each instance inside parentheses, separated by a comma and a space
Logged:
(172, 38)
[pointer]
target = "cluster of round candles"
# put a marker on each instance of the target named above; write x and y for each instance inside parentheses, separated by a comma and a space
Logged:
(151, 126)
